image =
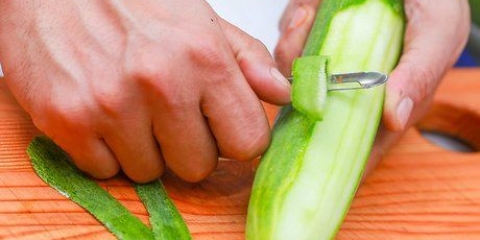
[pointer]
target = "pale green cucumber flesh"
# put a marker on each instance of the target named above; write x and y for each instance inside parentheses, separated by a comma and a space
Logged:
(310, 85)
(166, 221)
(303, 190)
(53, 166)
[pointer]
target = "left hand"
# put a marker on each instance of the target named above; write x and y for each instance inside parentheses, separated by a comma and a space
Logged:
(436, 33)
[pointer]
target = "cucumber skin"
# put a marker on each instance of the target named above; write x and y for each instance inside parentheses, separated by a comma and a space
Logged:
(52, 165)
(310, 85)
(167, 223)
(325, 13)
(292, 136)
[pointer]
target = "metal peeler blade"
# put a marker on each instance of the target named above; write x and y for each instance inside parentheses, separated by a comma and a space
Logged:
(354, 80)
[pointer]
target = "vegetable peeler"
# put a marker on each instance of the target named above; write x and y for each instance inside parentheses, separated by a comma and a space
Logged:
(354, 80)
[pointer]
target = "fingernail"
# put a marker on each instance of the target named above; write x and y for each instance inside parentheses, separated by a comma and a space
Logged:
(298, 18)
(404, 110)
(279, 77)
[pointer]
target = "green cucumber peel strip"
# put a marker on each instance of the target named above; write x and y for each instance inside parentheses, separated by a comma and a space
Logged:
(309, 175)
(166, 221)
(53, 166)
(310, 85)
(325, 14)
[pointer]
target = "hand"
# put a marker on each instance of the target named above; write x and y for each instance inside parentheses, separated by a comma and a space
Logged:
(138, 85)
(436, 33)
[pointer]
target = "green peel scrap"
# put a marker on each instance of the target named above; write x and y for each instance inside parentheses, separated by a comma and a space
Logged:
(53, 166)
(166, 221)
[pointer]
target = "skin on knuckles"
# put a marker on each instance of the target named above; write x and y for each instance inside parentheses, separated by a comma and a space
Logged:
(69, 124)
(139, 87)
(128, 134)
(117, 129)
(178, 125)
(186, 139)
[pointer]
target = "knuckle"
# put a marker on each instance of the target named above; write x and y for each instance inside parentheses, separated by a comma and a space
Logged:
(256, 44)
(175, 101)
(109, 102)
(252, 49)
(207, 53)
(147, 70)
(422, 79)
(60, 116)
(426, 83)
(253, 44)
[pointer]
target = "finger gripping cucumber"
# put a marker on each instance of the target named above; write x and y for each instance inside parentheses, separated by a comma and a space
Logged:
(307, 178)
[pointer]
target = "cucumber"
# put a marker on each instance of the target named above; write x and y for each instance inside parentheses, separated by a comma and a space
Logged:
(310, 85)
(309, 175)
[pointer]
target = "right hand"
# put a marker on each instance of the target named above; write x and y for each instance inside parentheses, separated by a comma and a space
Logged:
(432, 44)
(138, 85)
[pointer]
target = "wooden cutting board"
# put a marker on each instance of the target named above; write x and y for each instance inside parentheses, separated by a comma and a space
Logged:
(419, 191)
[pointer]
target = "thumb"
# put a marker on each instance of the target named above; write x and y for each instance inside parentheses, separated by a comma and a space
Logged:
(429, 52)
(257, 66)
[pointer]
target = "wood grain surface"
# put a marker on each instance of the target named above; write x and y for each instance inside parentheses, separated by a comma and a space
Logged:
(419, 191)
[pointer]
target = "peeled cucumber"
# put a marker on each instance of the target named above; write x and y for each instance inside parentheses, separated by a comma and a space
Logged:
(309, 175)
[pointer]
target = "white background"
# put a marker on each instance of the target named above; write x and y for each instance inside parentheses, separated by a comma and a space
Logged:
(258, 18)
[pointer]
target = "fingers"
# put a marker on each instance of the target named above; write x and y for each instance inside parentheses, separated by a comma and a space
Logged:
(237, 121)
(88, 151)
(428, 52)
(136, 150)
(93, 156)
(235, 114)
(188, 146)
(294, 28)
(257, 66)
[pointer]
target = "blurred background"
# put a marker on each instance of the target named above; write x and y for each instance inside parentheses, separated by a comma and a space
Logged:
(260, 19)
